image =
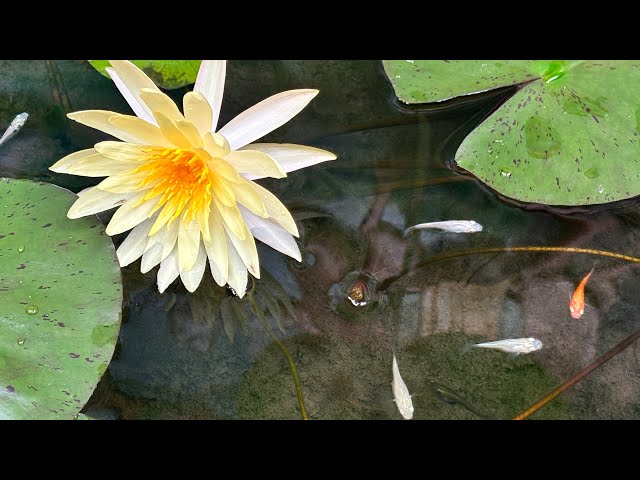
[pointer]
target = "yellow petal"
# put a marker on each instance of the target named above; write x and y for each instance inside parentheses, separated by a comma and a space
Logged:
(134, 245)
(61, 165)
(219, 166)
(276, 209)
(255, 163)
(217, 248)
(210, 83)
(93, 200)
(123, 183)
(100, 166)
(101, 120)
(190, 133)
(246, 248)
(247, 196)
(171, 132)
(158, 102)
(198, 111)
(223, 193)
(123, 151)
(147, 133)
(188, 244)
(216, 145)
(130, 214)
(232, 219)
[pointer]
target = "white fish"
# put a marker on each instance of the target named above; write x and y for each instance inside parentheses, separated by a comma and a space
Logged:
(16, 125)
(401, 393)
(455, 226)
(514, 345)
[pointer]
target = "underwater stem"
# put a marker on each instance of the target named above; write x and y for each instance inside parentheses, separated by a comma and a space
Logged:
(483, 251)
(580, 375)
(285, 351)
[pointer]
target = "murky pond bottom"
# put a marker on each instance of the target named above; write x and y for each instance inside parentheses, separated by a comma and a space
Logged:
(364, 291)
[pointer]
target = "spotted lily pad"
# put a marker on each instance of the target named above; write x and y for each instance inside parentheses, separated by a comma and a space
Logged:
(570, 135)
(60, 302)
(167, 74)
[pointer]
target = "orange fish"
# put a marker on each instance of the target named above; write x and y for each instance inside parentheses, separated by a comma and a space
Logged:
(576, 305)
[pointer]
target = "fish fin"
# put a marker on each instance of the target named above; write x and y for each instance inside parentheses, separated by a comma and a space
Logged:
(469, 346)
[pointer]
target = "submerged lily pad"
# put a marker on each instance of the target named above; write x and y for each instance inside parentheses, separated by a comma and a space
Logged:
(167, 74)
(61, 300)
(568, 136)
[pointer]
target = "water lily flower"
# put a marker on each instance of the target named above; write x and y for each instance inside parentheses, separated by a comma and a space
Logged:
(187, 190)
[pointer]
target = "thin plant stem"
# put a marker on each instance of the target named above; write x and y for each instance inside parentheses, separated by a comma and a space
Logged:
(285, 351)
(580, 375)
(483, 251)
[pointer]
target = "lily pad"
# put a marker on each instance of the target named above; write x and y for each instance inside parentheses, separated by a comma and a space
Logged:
(61, 298)
(167, 74)
(570, 135)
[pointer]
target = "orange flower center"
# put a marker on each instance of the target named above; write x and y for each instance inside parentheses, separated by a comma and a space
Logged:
(183, 180)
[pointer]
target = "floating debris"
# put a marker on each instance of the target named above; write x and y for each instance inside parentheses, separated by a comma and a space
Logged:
(514, 345)
(401, 393)
(455, 226)
(16, 125)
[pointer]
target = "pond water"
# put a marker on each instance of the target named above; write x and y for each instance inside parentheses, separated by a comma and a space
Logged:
(175, 358)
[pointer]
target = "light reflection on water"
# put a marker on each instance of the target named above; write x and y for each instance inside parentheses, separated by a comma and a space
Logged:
(175, 358)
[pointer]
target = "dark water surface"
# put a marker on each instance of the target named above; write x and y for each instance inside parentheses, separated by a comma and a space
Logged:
(175, 360)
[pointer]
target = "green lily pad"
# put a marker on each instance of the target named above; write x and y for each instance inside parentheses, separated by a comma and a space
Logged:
(167, 74)
(569, 136)
(61, 298)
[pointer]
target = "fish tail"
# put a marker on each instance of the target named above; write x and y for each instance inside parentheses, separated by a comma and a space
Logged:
(467, 347)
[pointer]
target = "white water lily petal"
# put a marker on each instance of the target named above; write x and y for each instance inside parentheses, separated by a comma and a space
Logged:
(133, 99)
(64, 163)
(192, 278)
(101, 120)
(269, 232)
(188, 244)
(217, 248)
(276, 209)
(94, 200)
(246, 248)
(134, 245)
(237, 278)
(255, 164)
(198, 111)
(290, 156)
(159, 102)
(168, 271)
(210, 83)
(130, 214)
(266, 116)
(151, 257)
(166, 236)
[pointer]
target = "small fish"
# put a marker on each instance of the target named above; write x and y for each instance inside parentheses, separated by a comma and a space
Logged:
(401, 393)
(514, 345)
(16, 125)
(447, 395)
(455, 226)
(576, 304)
